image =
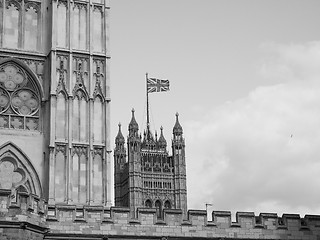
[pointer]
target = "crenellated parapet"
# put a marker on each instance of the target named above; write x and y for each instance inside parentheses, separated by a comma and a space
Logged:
(116, 221)
(29, 214)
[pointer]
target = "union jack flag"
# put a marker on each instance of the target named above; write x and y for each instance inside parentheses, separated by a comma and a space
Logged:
(157, 85)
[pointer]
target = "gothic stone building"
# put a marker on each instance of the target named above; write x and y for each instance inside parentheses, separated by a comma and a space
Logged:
(149, 177)
(55, 143)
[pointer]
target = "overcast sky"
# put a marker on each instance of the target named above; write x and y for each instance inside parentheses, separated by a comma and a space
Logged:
(245, 79)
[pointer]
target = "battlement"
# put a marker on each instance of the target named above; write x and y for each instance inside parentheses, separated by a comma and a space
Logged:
(28, 212)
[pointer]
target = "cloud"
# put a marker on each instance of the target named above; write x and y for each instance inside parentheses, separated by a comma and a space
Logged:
(290, 62)
(261, 153)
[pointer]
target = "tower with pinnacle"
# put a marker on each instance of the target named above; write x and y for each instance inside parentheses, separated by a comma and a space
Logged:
(55, 99)
(146, 176)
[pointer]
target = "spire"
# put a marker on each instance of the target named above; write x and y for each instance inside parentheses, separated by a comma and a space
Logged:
(119, 137)
(162, 141)
(133, 125)
(177, 129)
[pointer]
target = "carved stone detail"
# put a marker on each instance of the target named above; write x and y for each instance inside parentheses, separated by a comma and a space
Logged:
(35, 5)
(14, 3)
(97, 8)
(80, 150)
(98, 151)
(97, 92)
(61, 148)
(80, 5)
(62, 71)
(64, 2)
(80, 89)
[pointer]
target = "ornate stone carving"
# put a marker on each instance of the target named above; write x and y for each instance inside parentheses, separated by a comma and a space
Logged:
(19, 98)
(80, 150)
(35, 5)
(62, 83)
(80, 5)
(25, 102)
(97, 92)
(61, 148)
(64, 2)
(97, 8)
(12, 77)
(80, 89)
(13, 3)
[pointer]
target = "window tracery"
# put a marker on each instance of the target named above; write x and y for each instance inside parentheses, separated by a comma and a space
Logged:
(19, 99)
(16, 171)
(16, 34)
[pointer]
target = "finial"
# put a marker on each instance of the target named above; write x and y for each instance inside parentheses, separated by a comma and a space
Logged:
(119, 138)
(177, 127)
(80, 66)
(98, 69)
(161, 128)
(133, 123)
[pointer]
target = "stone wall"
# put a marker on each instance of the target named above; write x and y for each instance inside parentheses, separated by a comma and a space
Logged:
(25, 219)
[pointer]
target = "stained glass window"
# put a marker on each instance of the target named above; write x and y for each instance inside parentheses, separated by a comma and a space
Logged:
(19, 99)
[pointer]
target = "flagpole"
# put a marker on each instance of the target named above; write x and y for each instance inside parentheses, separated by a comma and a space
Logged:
(147, 102)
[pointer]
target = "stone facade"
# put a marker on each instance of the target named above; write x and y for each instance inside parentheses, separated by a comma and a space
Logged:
(55, 141)
(28, 218)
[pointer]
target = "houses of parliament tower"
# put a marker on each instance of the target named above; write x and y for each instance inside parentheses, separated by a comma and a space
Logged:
(149, 177)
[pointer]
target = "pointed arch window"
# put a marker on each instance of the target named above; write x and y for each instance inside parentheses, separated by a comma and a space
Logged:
(80, 26)
(31, 26)
(97, 174)
(62, 22)
(80, 117)
(97, 29)
(11, 25)
(79, 174)
(19, 99)
(61, 116)
(21, 24)
(158, 206)
(167, 204)
(98, 119)
(16, 171)
(148, 203)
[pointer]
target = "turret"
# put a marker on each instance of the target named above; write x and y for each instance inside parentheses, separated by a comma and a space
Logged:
(133, 127)
(177, 129)
(134, 164)
(162, 143)
(178, 152)
(119, 164)
(119, 141)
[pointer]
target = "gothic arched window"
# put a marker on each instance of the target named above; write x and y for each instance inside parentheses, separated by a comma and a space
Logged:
(158, 206)
(18, 35)
(167, 204)
(31, 26)
(11, 21)
(19, 99)
(148, 203)
(16, 171)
